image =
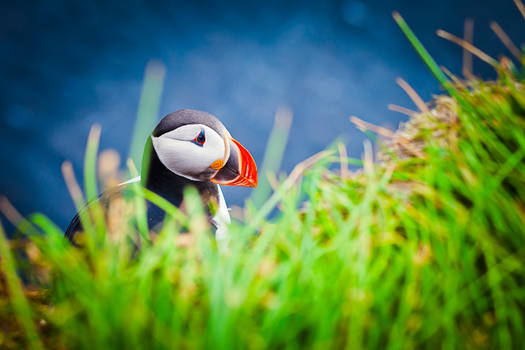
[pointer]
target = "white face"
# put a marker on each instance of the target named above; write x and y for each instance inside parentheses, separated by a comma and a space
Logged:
(182, 151)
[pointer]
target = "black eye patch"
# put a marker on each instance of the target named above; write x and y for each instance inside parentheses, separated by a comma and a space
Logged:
(200, 139)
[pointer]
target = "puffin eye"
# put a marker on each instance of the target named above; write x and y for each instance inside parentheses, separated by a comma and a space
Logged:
(200, 139)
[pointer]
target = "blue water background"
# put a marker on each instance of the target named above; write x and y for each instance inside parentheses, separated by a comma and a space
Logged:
(68, 64)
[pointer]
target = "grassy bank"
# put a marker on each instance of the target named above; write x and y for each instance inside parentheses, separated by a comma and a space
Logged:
(424, 249)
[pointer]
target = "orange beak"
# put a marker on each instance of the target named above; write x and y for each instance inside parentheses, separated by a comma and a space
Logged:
(240, 170)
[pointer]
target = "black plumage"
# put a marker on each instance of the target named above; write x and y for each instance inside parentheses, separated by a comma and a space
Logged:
(157, 178)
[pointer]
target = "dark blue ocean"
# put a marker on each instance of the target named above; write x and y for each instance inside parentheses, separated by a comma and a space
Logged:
(68, 64)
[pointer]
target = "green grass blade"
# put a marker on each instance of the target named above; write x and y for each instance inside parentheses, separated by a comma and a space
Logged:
(20, 305)
(429, 61)
(148, 108)
(140, 204)
(90, 180)
(90, 161)
(273, 155)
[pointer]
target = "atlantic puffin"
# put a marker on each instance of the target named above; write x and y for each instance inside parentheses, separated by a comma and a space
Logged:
(188, 148)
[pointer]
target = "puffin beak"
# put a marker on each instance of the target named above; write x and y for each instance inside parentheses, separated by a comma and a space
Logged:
(240, 170)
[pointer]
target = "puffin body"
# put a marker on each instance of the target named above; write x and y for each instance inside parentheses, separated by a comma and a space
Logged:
(188, 148)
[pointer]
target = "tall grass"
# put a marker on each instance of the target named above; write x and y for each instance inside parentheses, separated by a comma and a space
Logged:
(423, 250)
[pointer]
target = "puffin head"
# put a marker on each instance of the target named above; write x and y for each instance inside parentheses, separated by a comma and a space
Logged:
(197, 146)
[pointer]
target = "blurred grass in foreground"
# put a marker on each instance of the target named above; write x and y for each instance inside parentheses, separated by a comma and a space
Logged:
(423, 250)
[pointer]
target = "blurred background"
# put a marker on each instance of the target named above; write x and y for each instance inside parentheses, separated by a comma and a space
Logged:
(69, 64)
